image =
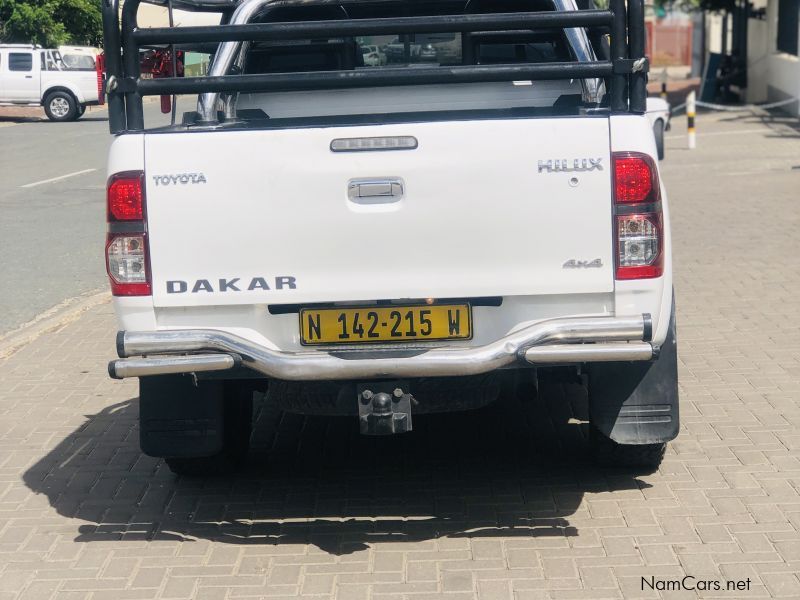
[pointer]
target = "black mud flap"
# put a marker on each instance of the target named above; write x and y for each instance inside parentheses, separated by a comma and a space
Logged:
(637, 403)
(179, 417)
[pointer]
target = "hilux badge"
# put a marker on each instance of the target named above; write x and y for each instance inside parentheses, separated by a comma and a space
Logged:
(562, 165)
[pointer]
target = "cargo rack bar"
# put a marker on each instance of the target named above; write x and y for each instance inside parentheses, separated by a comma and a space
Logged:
(625, 72)
(387, 26)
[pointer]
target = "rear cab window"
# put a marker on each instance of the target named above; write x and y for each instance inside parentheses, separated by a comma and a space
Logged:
(385, 52)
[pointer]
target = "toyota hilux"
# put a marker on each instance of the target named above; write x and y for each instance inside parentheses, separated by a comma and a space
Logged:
(383, 241)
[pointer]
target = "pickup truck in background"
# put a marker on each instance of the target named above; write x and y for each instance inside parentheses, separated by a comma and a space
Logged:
(34, 76)
(383, 241)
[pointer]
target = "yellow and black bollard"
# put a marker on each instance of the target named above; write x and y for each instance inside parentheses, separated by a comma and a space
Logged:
(691, 108)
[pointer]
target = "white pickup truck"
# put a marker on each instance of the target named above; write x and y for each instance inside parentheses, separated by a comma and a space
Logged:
(63, 84)
(384, 241)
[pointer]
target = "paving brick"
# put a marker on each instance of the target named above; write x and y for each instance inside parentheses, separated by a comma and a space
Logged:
(457, 581)
(318, 584)
(494, 590)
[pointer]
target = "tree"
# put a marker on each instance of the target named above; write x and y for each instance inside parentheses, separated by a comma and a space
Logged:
(51, 22)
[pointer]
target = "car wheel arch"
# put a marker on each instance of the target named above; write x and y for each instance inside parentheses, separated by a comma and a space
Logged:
(61, 88)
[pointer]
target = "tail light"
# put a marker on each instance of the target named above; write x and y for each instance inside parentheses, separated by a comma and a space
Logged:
(638, 232)
(127, 256)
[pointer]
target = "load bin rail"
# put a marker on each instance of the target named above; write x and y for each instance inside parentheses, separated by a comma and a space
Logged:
(625, 71)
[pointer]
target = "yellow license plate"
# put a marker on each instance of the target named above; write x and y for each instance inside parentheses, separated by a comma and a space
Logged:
(385, 324)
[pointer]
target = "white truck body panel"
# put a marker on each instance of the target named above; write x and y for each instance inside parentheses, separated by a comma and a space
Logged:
(477, 218)
(510, 267)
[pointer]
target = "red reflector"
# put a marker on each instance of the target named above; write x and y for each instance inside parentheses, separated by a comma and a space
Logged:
(634, 178)
(648, 272)
(126, 196)
(99, 66)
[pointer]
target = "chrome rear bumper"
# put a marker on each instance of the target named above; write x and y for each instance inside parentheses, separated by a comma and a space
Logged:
(555, 341)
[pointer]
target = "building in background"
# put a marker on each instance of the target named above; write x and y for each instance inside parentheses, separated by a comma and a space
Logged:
(669, 37)
(773, 63)
(156, 16)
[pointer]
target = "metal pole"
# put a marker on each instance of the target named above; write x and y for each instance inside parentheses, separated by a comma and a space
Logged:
(174, 62)
(273, 31)
(130, 59)
(638, 79)
(313, 80)
(619, 51)
(116, 101)
(691, 107)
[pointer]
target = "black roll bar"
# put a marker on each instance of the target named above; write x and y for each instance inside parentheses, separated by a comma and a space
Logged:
(626, 71)
(113, 64)
(619, 53)
(284, 82)
(257, 32)
(638, 77)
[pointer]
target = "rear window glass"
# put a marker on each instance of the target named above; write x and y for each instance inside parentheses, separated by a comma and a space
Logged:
(20, 61)
(542, 51)
(78, 62)
(414, 49)
(404, 51)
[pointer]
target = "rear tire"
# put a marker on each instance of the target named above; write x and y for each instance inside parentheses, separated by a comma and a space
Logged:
(61, 107)
(608, 453)
(237, 426)
(81, 111)
(658, 132)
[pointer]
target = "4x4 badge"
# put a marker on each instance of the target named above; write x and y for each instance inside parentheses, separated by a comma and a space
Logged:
(582, 264)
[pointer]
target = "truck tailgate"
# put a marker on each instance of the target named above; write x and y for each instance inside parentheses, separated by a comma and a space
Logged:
(264, 216)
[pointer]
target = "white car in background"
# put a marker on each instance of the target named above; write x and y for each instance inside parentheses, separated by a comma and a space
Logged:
(64, 84)
(658, 112)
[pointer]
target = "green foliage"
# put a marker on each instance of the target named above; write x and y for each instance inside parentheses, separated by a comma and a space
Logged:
(51, 22)
(713, 6)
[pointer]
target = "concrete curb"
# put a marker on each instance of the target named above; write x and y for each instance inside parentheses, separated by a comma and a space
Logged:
(50, 320)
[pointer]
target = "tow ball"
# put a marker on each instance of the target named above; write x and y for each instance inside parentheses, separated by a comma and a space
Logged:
(384, 408)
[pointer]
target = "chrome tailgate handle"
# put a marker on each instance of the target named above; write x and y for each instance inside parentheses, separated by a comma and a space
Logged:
(389, 189)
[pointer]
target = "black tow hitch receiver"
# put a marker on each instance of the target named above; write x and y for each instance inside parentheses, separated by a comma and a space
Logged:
(384, 408)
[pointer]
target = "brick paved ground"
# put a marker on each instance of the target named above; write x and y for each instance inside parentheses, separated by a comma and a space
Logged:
(485, 505)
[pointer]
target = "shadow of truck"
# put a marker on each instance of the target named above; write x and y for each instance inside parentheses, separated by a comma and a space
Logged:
(510, 469)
